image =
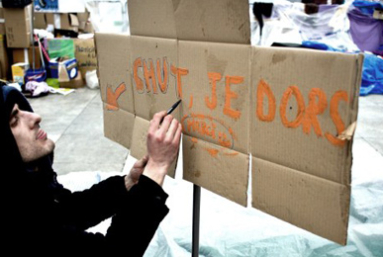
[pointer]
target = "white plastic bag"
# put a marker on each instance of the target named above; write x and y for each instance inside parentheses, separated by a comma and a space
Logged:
(91, 79)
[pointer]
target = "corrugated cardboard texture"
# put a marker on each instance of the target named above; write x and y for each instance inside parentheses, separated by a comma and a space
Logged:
(213, 21)
(18, 26)
(140, 132)
(151, 18)
(154, 82)
(113, 53)
(207, 20)
(324, 84)
(216, 92)
(211, 166)
(312, 203)
(118, 126)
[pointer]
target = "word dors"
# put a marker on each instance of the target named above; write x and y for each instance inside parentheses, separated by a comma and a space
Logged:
(306, 114)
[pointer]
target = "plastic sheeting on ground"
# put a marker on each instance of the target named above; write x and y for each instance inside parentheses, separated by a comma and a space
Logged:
(290, 24)
(228, 229)
(372, 76)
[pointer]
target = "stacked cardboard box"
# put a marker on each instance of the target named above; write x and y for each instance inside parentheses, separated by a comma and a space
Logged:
(18, 26)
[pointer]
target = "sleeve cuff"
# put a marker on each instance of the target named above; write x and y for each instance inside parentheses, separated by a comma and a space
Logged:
(151, 188)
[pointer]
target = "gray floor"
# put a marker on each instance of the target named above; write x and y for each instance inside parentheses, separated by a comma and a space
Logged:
(75, 123)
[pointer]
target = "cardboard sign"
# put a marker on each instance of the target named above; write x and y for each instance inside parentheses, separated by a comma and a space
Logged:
(85, 54)
(293, 110)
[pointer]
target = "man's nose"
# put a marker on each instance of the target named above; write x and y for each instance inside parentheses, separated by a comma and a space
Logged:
(35, 119)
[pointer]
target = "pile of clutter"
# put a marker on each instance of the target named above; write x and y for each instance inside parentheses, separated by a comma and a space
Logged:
(46, 52)
(349, 27)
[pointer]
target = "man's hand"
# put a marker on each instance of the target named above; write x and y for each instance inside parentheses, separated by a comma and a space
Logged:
(163, 142)
(134, 175)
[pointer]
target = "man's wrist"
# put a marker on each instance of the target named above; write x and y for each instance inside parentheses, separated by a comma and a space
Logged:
(128, 182)
(156, 171)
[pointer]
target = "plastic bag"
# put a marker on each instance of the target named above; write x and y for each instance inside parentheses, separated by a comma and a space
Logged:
(372, 76)
(91, 79)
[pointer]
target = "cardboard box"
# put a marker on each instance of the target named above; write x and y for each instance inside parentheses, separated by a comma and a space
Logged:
(26, 55)
(49, 17)
(77, 82)
(68, 21)
(289, 108)
(2, 28)
(18, 72)
(18, 26)
(40, 21)
(4, 61)
(85, 54)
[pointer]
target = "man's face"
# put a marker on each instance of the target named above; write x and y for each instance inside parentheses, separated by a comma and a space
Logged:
(30, 138)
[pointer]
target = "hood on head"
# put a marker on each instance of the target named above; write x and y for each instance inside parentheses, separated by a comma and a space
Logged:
(11, 158)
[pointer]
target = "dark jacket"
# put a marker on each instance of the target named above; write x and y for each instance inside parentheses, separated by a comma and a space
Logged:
(39, 215)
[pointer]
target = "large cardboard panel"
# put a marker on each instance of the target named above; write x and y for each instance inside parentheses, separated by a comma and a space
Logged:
(213, 21)
(301, 101)
(215, 92)
(211, 166)
(18, 26)
(113, 53)
(312, 203)
(138, 148)
(152, 18)
(118, 126)
(153, 61)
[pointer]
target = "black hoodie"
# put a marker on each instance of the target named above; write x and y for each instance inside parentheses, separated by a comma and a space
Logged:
(40, 216)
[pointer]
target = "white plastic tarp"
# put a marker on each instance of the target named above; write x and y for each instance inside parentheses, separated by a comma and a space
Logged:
(228, 229)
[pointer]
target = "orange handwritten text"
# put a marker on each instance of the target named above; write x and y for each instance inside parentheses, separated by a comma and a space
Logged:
(179, 72)
(230, 95)
(149, 77)
(339, 124)
(265, 90)
(213, 78)
(307, 116)
(144, 70)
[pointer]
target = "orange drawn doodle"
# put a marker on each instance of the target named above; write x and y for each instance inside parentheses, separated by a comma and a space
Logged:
(235, 114)
(314, 108)
(334, 113)
(292, 90)
(213, 152)
(262, 91)
(112, 97)
(209, 129)
(213, 78)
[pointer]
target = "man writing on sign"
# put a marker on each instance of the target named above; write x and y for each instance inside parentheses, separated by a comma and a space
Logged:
(41, 216)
